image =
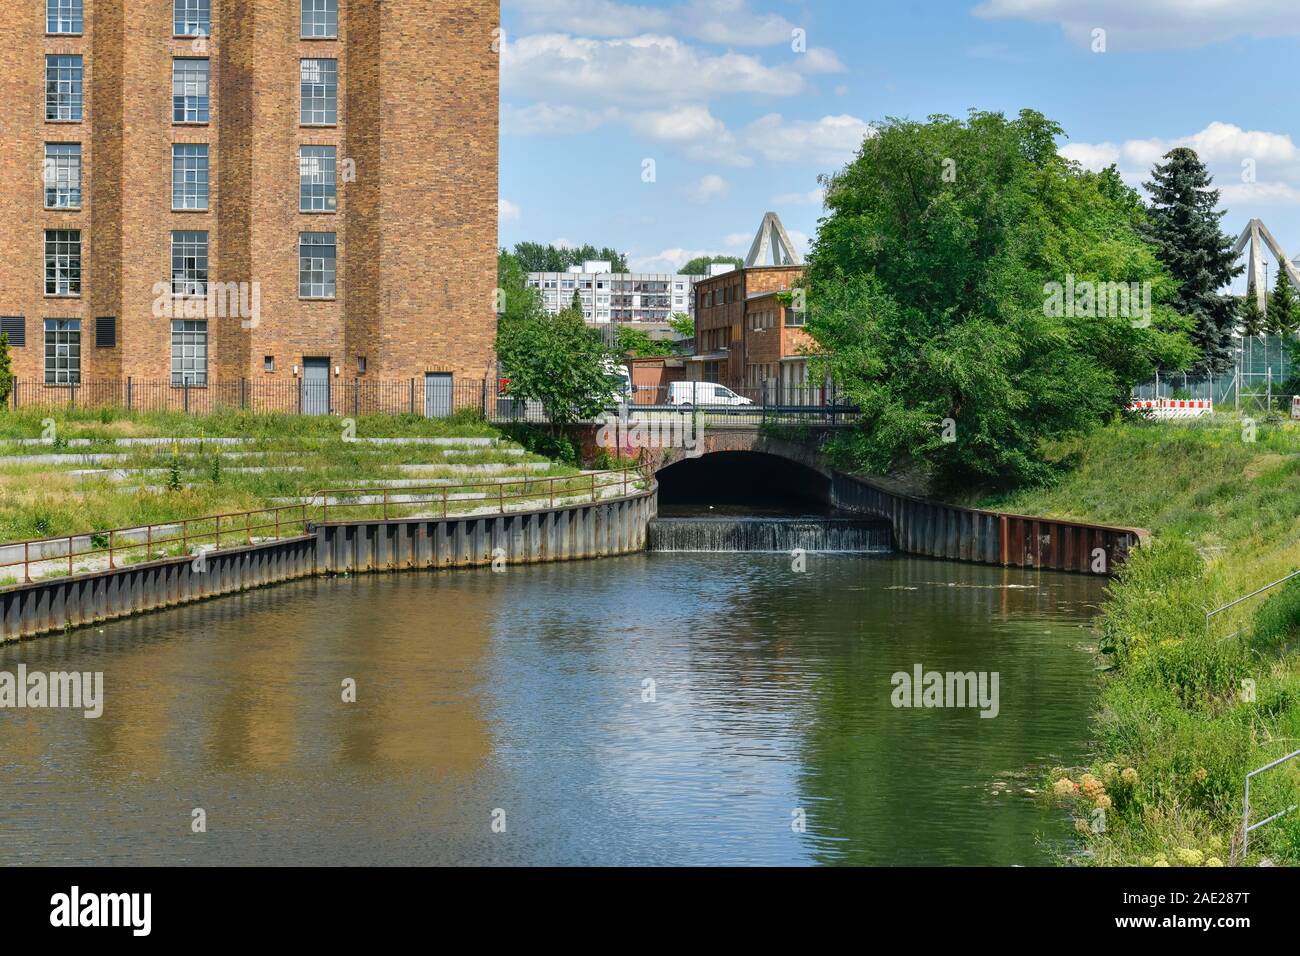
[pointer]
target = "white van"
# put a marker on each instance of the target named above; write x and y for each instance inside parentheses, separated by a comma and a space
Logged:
(703, 393)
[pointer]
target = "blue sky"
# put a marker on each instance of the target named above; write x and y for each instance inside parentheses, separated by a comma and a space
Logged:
(738, 121)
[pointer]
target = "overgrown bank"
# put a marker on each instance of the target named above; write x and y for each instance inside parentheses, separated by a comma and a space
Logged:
(1186, 712)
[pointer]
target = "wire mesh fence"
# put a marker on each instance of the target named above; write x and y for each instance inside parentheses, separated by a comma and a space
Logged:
(1259, 382)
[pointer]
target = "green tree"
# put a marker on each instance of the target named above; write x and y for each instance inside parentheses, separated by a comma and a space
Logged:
(682, 324)
(6, 370)
(937, 299)
(514, 298)
(1184, 224)
(555, 360)
(1283, 308)
(536, 257)
(699, 266)
(1252, 319)
(637, 343)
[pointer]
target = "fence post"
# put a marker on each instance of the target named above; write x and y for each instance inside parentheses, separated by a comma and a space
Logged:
(484, 399)
(356, 398)
(300, 381)
(243, 394)
(72, 394)
(15, 394)
(185, 395)
(412, 396)
(129, 384)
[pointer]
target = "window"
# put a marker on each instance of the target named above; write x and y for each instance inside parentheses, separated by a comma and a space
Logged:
(361, 365)
(268, 363)
(795, 317)
(189, 176)
(189, 263)
(316, 265)
(63, 77)
(189, 90)
(189, 352)
(317, 179)
(62, 351)
(320, 92)
(63, 262)
(106, 332)
(62, 175)
(192, 18)
(64, 16)
(320, 18)
(14, 326)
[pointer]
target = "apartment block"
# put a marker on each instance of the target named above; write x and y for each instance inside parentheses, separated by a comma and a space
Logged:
(609, 296)
(198, 191)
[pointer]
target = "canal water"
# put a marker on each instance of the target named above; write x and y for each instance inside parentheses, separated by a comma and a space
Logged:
(669, 708)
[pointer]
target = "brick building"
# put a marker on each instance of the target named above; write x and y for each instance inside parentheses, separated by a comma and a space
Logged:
(316, 199)
(745, 337)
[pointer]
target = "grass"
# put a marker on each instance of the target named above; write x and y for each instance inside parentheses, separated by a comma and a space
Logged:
(302, 455)
(1184, 713)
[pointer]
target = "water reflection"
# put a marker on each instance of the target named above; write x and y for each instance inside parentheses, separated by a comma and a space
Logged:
(652, 709)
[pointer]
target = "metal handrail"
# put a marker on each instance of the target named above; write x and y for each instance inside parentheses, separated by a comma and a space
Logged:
(501, 493)
(246, 524)
(183, 531)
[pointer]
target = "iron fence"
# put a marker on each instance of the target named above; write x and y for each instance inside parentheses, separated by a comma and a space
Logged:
(432, 398)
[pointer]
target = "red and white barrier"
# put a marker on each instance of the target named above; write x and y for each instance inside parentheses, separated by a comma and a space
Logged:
(1172, 407)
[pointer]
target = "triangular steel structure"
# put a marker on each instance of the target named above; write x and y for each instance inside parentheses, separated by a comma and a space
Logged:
(772, 245)
(1257, 236)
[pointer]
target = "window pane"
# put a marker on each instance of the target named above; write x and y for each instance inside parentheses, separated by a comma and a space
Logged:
(317, 179)
(62, 175)
(192, 18)
(189, 352)
(63, 262)
(189, 263)
(190, 176)
(320, 18)
(64, 16)
(320, 93)
(62, 351)
(63, 76)
(316, 265)
(189, 90)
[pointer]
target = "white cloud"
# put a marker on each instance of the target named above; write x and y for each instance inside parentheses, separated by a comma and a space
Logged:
(679, 125)
(816, 197)
(828, 142)
(645, 70)
(544, 119)
(506, 210)
(1228, 151)
(708, 188)
(723, 22)
(819, 60)
(1153, 24)
(668, 260)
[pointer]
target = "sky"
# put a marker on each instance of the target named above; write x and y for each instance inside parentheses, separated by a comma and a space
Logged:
(666, 128)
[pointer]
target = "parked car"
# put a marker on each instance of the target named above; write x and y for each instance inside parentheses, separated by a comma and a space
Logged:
(703, 393)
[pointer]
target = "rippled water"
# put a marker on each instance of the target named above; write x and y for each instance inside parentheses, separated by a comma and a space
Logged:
(523, 692)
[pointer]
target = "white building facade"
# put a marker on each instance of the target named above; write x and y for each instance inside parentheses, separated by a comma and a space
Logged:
(616, 296)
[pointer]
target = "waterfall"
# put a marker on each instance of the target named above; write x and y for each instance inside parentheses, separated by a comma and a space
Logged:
(770, 534)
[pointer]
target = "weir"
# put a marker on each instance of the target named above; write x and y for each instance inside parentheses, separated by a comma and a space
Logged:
(849, 535)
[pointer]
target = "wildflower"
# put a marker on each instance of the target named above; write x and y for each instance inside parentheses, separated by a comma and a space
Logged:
(1129, 776)
(1091, 786)
(1201, 775)
(1103, 801)
(1214, 861)
(1064, 787)
(1188, 856)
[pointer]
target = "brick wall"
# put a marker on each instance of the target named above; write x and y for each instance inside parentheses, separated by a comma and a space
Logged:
(416, 230)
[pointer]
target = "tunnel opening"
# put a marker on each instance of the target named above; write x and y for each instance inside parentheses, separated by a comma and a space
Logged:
(749, 501)
(742, 483)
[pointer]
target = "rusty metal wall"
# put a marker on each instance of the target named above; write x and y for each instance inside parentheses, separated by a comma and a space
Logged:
(988, 537)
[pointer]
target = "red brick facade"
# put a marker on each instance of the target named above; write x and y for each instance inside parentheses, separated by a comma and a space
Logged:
(415, 227)
(740, 324)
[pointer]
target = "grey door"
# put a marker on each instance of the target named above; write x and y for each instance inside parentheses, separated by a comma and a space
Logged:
(437, 394)
(315, 386)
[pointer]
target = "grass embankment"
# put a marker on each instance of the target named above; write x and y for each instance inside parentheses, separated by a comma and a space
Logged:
(294, 456)
(1185, 714)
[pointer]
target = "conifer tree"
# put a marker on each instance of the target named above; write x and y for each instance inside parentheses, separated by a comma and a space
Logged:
(1282, 305)
(1184, 224)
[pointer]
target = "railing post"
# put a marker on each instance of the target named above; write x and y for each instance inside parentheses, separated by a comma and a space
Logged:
(217, 545)
(356, 398)
(69, 555)
(129, 383)
(72, 394)
(110, 550)
(444, 501)
(248, 533)
(27, 563)
(185, 395)
(148, 546)
(385, 504)
(412, 396)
